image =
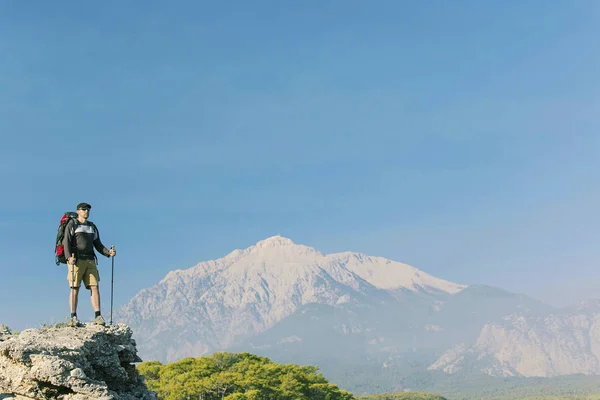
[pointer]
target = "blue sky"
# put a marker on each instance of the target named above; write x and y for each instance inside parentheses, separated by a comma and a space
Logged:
(459, 137)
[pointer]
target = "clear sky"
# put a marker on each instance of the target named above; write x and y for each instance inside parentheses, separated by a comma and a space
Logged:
(462, 138)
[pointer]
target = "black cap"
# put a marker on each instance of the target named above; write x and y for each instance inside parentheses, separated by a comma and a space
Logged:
(83, 206)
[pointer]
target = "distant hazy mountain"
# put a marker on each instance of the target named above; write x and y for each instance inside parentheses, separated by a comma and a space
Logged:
(295, 304)
(525, 344)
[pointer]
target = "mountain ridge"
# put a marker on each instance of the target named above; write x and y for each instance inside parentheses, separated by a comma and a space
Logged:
(214, 303)
(279, 298)
(346, 258)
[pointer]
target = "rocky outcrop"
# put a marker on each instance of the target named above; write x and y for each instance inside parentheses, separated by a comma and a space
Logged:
(89, 362)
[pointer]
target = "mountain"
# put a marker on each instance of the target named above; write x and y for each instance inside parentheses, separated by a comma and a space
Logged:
(369, 323)
(548, 345)
(462, 316)
(217, 304)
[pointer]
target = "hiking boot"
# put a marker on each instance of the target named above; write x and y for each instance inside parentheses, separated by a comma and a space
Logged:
(99, 320)
(74, 322)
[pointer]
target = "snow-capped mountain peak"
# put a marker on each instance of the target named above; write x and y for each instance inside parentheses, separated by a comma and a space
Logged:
(250, 290)
(275, 241)
(387, 274)
(277, 251)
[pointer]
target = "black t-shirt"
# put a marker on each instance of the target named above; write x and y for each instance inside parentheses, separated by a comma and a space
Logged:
(81, 238)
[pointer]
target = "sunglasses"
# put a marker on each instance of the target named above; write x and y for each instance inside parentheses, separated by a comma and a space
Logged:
(84, 209)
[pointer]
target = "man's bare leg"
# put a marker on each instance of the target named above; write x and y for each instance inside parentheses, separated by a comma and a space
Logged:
(98, 320)
(73, 296)
(95, 298)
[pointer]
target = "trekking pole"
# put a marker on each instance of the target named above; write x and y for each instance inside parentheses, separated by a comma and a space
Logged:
(112, 283)
(72, 281)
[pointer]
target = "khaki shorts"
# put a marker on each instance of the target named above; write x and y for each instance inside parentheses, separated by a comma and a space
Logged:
(84, 270)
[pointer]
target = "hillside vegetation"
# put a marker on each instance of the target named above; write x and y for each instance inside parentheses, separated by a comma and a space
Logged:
(231, 376)
(244, 376)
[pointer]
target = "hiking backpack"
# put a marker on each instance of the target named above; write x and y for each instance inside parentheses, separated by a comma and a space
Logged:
(59, 249)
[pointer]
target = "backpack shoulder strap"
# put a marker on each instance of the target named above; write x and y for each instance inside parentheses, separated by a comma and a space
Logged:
(74, 224)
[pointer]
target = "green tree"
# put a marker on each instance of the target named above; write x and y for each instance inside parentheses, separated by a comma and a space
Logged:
(238, 376)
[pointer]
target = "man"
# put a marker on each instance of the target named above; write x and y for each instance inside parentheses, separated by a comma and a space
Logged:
(81, 236)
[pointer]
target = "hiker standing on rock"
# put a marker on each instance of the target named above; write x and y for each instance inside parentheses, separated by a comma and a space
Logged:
(81, 236)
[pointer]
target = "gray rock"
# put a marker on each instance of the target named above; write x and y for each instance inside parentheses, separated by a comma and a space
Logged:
(89, 362)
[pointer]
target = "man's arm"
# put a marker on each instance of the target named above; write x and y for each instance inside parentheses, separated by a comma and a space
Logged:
(98, 243)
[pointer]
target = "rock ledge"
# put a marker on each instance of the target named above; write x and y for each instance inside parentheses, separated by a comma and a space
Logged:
(89, 362)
